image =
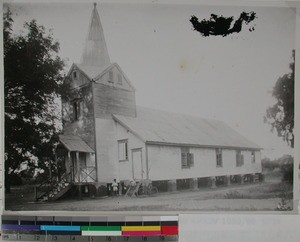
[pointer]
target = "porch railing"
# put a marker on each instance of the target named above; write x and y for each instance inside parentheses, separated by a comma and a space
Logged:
(87, 174)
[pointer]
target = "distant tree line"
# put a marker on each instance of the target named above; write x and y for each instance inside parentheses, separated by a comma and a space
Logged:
(284, 165)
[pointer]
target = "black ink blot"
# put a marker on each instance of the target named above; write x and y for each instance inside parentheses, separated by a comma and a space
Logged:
(223, 26)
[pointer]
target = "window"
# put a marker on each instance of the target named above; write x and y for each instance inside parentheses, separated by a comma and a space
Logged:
(190, 159)
(219, 157)
(74, 75)
(187, 158)
(110, 76)
(253, 156)
(239, 158)
(123, 150)
(77, 109)
(119, 79)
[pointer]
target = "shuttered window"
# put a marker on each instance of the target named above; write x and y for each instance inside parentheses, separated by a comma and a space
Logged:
(110, 76)
(119, 79)
(187, 158)
(239, 158)
(184, 160)
(190, 159)
(219, 160)
(123, 150)
(253, 156)
(74, 75)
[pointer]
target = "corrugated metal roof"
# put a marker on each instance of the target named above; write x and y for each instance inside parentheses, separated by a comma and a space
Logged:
(75, 143)
(165, 127)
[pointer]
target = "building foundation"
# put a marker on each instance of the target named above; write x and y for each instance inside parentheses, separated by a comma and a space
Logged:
(242, 179)
(213, 182)
(228, 178)
(193, 183)
(172, 185)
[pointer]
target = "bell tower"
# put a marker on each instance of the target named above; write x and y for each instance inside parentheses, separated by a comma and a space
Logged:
(100, 89)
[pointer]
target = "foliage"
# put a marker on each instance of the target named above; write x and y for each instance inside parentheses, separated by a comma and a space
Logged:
(220, 25)
(284, 164)
(33, 82)
(281, 115)
(269, 165)
(288, 173)
(284, 204)
(16, 179)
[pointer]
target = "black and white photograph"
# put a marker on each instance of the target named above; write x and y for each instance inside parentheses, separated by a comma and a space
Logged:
(148, 106)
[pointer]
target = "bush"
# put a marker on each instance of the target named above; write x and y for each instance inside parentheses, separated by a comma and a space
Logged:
(15, 179)
(284, 204)
(269, 165)
(287, 173)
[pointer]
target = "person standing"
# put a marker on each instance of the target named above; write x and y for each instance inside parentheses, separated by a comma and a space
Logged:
(115, 187)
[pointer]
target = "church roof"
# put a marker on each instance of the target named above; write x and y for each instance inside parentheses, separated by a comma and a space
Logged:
(74, 143)
(91, 71)
(95, 73)
(95, 53)
(161, 127)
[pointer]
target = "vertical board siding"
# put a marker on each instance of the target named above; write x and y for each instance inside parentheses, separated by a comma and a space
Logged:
(112, 97)
(116, 79)
(109, 100)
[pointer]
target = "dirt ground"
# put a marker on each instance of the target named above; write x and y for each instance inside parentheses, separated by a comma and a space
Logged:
(248, 197)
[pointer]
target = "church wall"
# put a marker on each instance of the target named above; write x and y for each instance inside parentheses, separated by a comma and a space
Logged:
(106, 147)
(108, 133)
(165, 163)
(83, 127)
(125, 167)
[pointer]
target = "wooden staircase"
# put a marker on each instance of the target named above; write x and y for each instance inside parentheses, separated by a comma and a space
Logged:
(53, 188)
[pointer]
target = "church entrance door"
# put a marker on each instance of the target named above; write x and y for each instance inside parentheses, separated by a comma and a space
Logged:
(137, 168)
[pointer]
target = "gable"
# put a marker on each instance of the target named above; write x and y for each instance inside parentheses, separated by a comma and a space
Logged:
(77, 77)
(113, 76)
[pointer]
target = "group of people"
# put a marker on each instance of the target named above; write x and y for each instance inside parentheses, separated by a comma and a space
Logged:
(115, 186)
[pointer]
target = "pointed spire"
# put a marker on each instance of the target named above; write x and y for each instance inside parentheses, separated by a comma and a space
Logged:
(95, 52)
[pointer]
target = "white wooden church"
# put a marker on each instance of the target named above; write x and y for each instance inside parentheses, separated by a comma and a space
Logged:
(107, 136)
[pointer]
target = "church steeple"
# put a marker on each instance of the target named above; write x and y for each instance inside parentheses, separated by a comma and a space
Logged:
(95, 52)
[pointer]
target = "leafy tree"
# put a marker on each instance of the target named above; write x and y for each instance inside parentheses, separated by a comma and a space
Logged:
(281, 115)
(33, 82)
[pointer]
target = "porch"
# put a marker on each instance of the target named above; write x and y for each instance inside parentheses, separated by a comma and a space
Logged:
(76, 158)
(75, 166)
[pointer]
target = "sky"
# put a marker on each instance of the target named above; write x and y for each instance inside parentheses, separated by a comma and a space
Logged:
(174, 68)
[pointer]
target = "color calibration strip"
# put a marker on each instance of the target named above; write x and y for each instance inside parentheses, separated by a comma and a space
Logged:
(116, 228)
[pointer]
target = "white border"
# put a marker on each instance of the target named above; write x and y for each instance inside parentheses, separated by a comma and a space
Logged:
(269, 3)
